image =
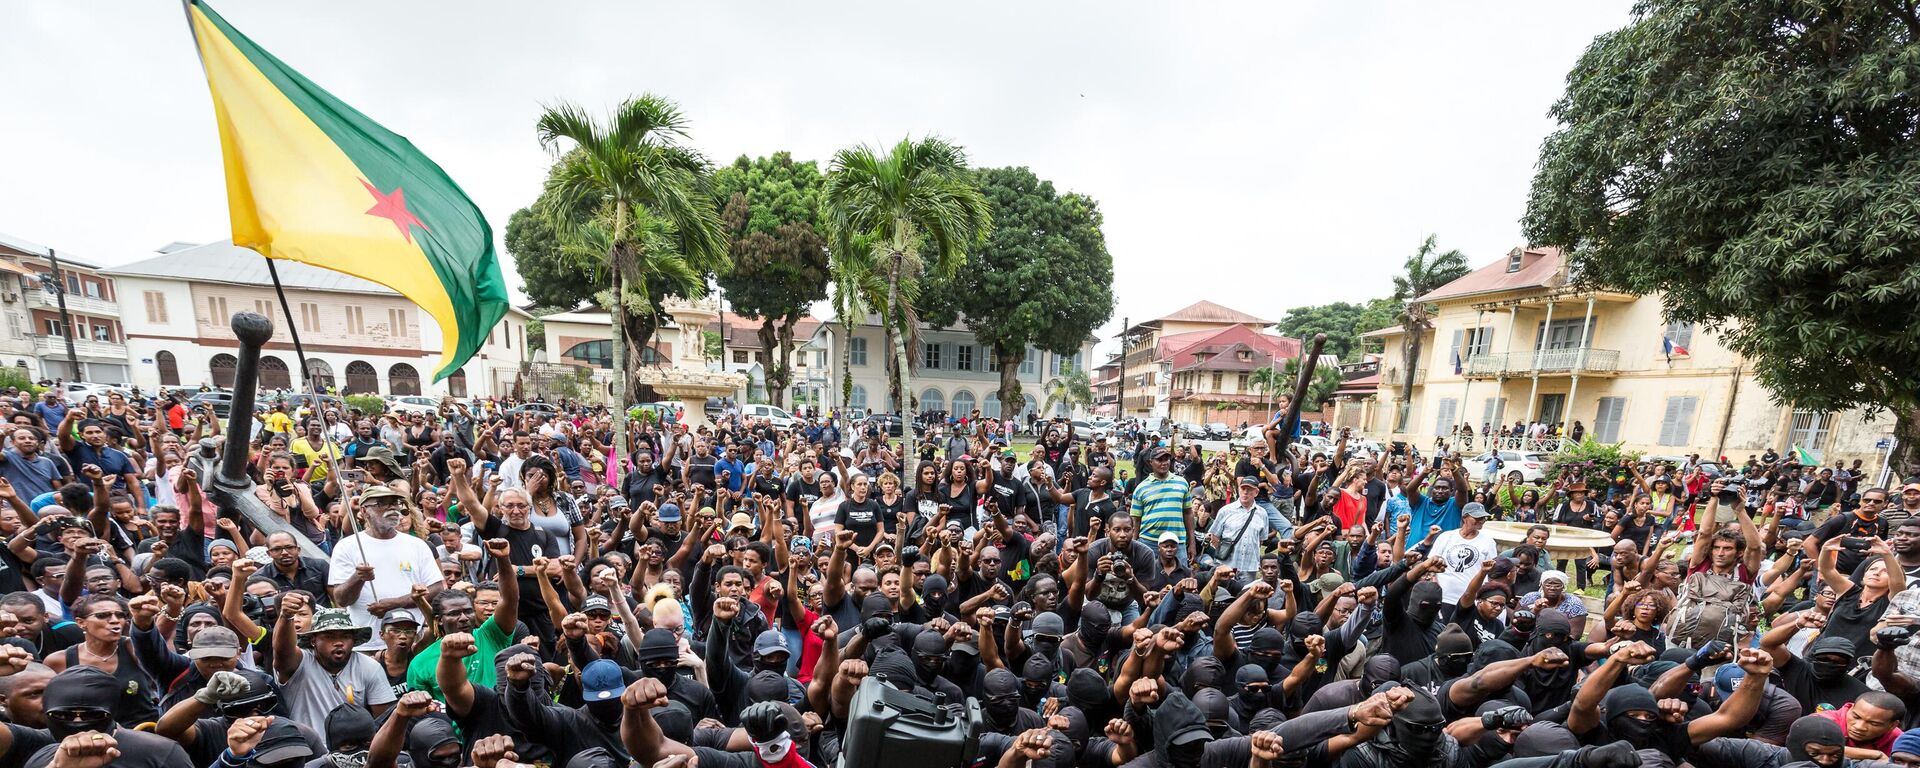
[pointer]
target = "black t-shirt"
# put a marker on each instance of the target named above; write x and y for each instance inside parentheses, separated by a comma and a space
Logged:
(700, 471)
(890, 513)
(1247, 468)
(1850, 524)
(638, 486)
(489, 717)
(138, 749)
(26, 741)
(1376, 493)
(802, 493)
(1796, 676)
(766, 485)
(1085, 509)
(862, 517)
(525, 545)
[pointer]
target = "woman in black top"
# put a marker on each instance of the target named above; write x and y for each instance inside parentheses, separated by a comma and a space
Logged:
(893, 503)
(418, 435)
(860, 513)
(959, 492)
(1637, 525)
(923, 499)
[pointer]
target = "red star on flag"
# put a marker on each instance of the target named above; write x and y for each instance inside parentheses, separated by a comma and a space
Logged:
(393, 207)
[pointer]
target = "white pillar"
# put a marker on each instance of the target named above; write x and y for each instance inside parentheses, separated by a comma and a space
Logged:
(1539, 347)
(1579, 361)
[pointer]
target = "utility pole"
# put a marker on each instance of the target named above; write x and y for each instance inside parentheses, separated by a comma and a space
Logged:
(1121, 413)
(59, 288)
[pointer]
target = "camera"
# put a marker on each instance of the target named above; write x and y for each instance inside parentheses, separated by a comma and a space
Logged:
(1894, 636)
(1856, 543)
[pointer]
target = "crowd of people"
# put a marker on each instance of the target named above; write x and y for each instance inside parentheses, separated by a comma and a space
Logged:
(494, 585)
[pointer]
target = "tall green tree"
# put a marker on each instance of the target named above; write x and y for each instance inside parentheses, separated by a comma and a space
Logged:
(1268, 381)
(771, 209)
(1755, 164)
(1043, 279)
(1071, 388)
(1340, 321)
(917, 201)
(631, 183)
(1428, 268)
(1326, 379)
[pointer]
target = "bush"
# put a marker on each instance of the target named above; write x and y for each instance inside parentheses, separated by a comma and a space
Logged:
(371, 405)
(16, 377)
(1590, 460)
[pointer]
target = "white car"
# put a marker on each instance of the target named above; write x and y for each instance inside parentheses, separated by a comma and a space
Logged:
(79, 391)
(1248, 436)
(775, 416)
(413, 404)
(1531, 466)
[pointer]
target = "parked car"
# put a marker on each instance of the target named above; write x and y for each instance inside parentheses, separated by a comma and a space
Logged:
(413, 404)
(221, 400)
(299, 400)
(774, 415)
(532, 408)
(77, 391)
(1185, 430)
(1218, 431)
(1531, 466)
(1084, 431)
(1247, 437)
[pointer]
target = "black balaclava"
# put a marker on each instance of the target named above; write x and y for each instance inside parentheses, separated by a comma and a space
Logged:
(536, 683)
(1204, 672)
(1416, 731)
(350, 732)
(1077, 729)
(934, 591)
(1267, 649)
(1826, 670)
(930, 653)
(1000, 698)
(658, 644)
(1180, 732)
(1095, 623)
(1493, 652)
(427, 734)
(1550, 630)
(767, 685)
(81, 687)
(1299, 629)
(894, 668)
(1544, 739)
(1213, 706)
(1812, 729)
(1453, 652)
(1627, 698)
(1379, 669)
(1036, 679)
(1549, 688)
(1088, 691)
(675, 721)
(1251, 701)
(1048, 624)
(1423, 603)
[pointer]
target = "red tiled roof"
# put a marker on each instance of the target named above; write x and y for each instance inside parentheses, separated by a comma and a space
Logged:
(1217, 358)
(744, 332)
(1218, 397)
(1538, 267)
(1209, 312)
(1180, 349)
(1365, 385)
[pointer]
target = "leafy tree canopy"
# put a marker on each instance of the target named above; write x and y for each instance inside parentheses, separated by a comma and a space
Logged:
(1340, 321)
(1756, 165)
(771, 209)
(1428, 268)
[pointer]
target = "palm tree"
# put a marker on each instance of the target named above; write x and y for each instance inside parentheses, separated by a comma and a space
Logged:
(1071, 388)
(1426, 270)
(1326, 379)
(1267, 379)
(632, 176)
(916, 197)
(857, 290)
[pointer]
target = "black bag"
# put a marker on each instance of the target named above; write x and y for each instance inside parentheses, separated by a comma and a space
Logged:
(890, 727)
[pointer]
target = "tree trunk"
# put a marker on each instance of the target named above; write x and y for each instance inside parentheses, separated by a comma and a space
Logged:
(639, 333)
(1009, 393)
(783, 339)
(770, 365)
(618, 316)
(907, 464)
(1905, 461)
(846, 365)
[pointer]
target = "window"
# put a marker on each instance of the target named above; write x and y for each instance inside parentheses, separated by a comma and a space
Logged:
(859, 397)
(1494, 411)
(1514, 260)
(930, 355)
(216, 310)
(1606, 420)
(1681, 334)
(598, 354)
(963, 403)
(993, 363)
(963, 358)
(1028, 366)
(1468, 342)
(1444, 420)
(932, 400)
(1809, 432)
(402, 379)
(263, 308)
(73, 283)
(1676, 425)
(356, 320)
(1563, 334)
(857, 355)
(56, 328)
(309, 317)
(103, 333)
(397, 326)
(15, 327)
(361, 379)
(819, 358)
(1241, 385)
(799, 360)
(739, 355)
(1218, 379)
(156, 306)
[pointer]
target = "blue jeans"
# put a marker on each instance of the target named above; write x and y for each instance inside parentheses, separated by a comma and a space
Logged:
(1276, 522)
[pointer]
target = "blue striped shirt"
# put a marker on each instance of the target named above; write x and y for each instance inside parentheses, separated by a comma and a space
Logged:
(1161, 507)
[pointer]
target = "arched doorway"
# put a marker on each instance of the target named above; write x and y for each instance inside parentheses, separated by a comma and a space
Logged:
(320, 374)
(274, 373)
(222, 366)
(457, 383)
(931, 400)
(362, 379)
(962, 404)
(169, 368)
(402, 379)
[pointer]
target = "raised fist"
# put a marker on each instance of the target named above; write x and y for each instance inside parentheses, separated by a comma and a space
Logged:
(575, 625)
(1266, 746)
(414, 704)
(520, 668)
(645, 693)
(726, 608)
(1119, 732)
(500, 549)
(1144, 693)
(458, 645)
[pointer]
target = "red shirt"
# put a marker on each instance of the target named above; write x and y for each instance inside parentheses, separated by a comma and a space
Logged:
(1884, 745)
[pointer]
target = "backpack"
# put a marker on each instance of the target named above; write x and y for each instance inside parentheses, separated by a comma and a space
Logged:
(1711, 607)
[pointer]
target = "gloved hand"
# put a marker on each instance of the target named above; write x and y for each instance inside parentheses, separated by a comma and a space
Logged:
(1893, 637)
(1510, 717)
(1619, 754)
(1714, 652)
(874, 628)
(222, 685)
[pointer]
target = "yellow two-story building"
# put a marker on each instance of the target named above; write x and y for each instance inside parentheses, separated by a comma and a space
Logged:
(1513, 343)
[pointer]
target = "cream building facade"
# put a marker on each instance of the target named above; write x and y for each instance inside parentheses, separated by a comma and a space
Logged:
(1149, 352)
(360, 337)
(1514, 342)
(957, 373)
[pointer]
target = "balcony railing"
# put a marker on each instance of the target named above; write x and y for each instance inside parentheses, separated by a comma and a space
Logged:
(1392, 377)
(56, 346)
(1546, 362)
(75, 303)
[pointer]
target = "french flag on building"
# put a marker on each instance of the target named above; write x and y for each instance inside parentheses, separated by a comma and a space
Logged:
(1457, 366)
(1666, 343)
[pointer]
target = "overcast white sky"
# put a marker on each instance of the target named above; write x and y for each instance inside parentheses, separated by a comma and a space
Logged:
(1262, 155)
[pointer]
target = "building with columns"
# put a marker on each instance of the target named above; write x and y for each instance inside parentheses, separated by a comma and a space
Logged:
(1515, 342)
(360, 337)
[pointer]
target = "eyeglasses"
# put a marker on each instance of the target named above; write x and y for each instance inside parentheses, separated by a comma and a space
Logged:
(284, 548)
(108, 615)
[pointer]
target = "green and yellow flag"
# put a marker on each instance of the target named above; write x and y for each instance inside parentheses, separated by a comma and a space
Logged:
(312, 180)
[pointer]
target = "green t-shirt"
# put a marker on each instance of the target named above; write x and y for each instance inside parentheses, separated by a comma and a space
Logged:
(488, 641)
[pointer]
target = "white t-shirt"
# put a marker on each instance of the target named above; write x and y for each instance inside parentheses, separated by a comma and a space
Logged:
(398, 564)
(1462, 557)
(509, 471)
(312, 692)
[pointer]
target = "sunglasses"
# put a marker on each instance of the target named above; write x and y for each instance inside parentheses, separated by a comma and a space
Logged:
(108, 615)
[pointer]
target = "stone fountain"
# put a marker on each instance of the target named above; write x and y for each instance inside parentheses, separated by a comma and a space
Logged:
(688, 380)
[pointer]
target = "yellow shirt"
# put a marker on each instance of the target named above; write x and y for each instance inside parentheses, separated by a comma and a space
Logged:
(316, 462)
(279, 422)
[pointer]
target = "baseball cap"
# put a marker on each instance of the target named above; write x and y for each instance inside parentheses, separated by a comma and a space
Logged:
(1474, 509)
(397, 616)
(216, 643)
(282, 742)
(601, 680)
(770, 641)
(1910, 487)
(596, 603)
(1169, 536)
(669, 513)
(1249, 481)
